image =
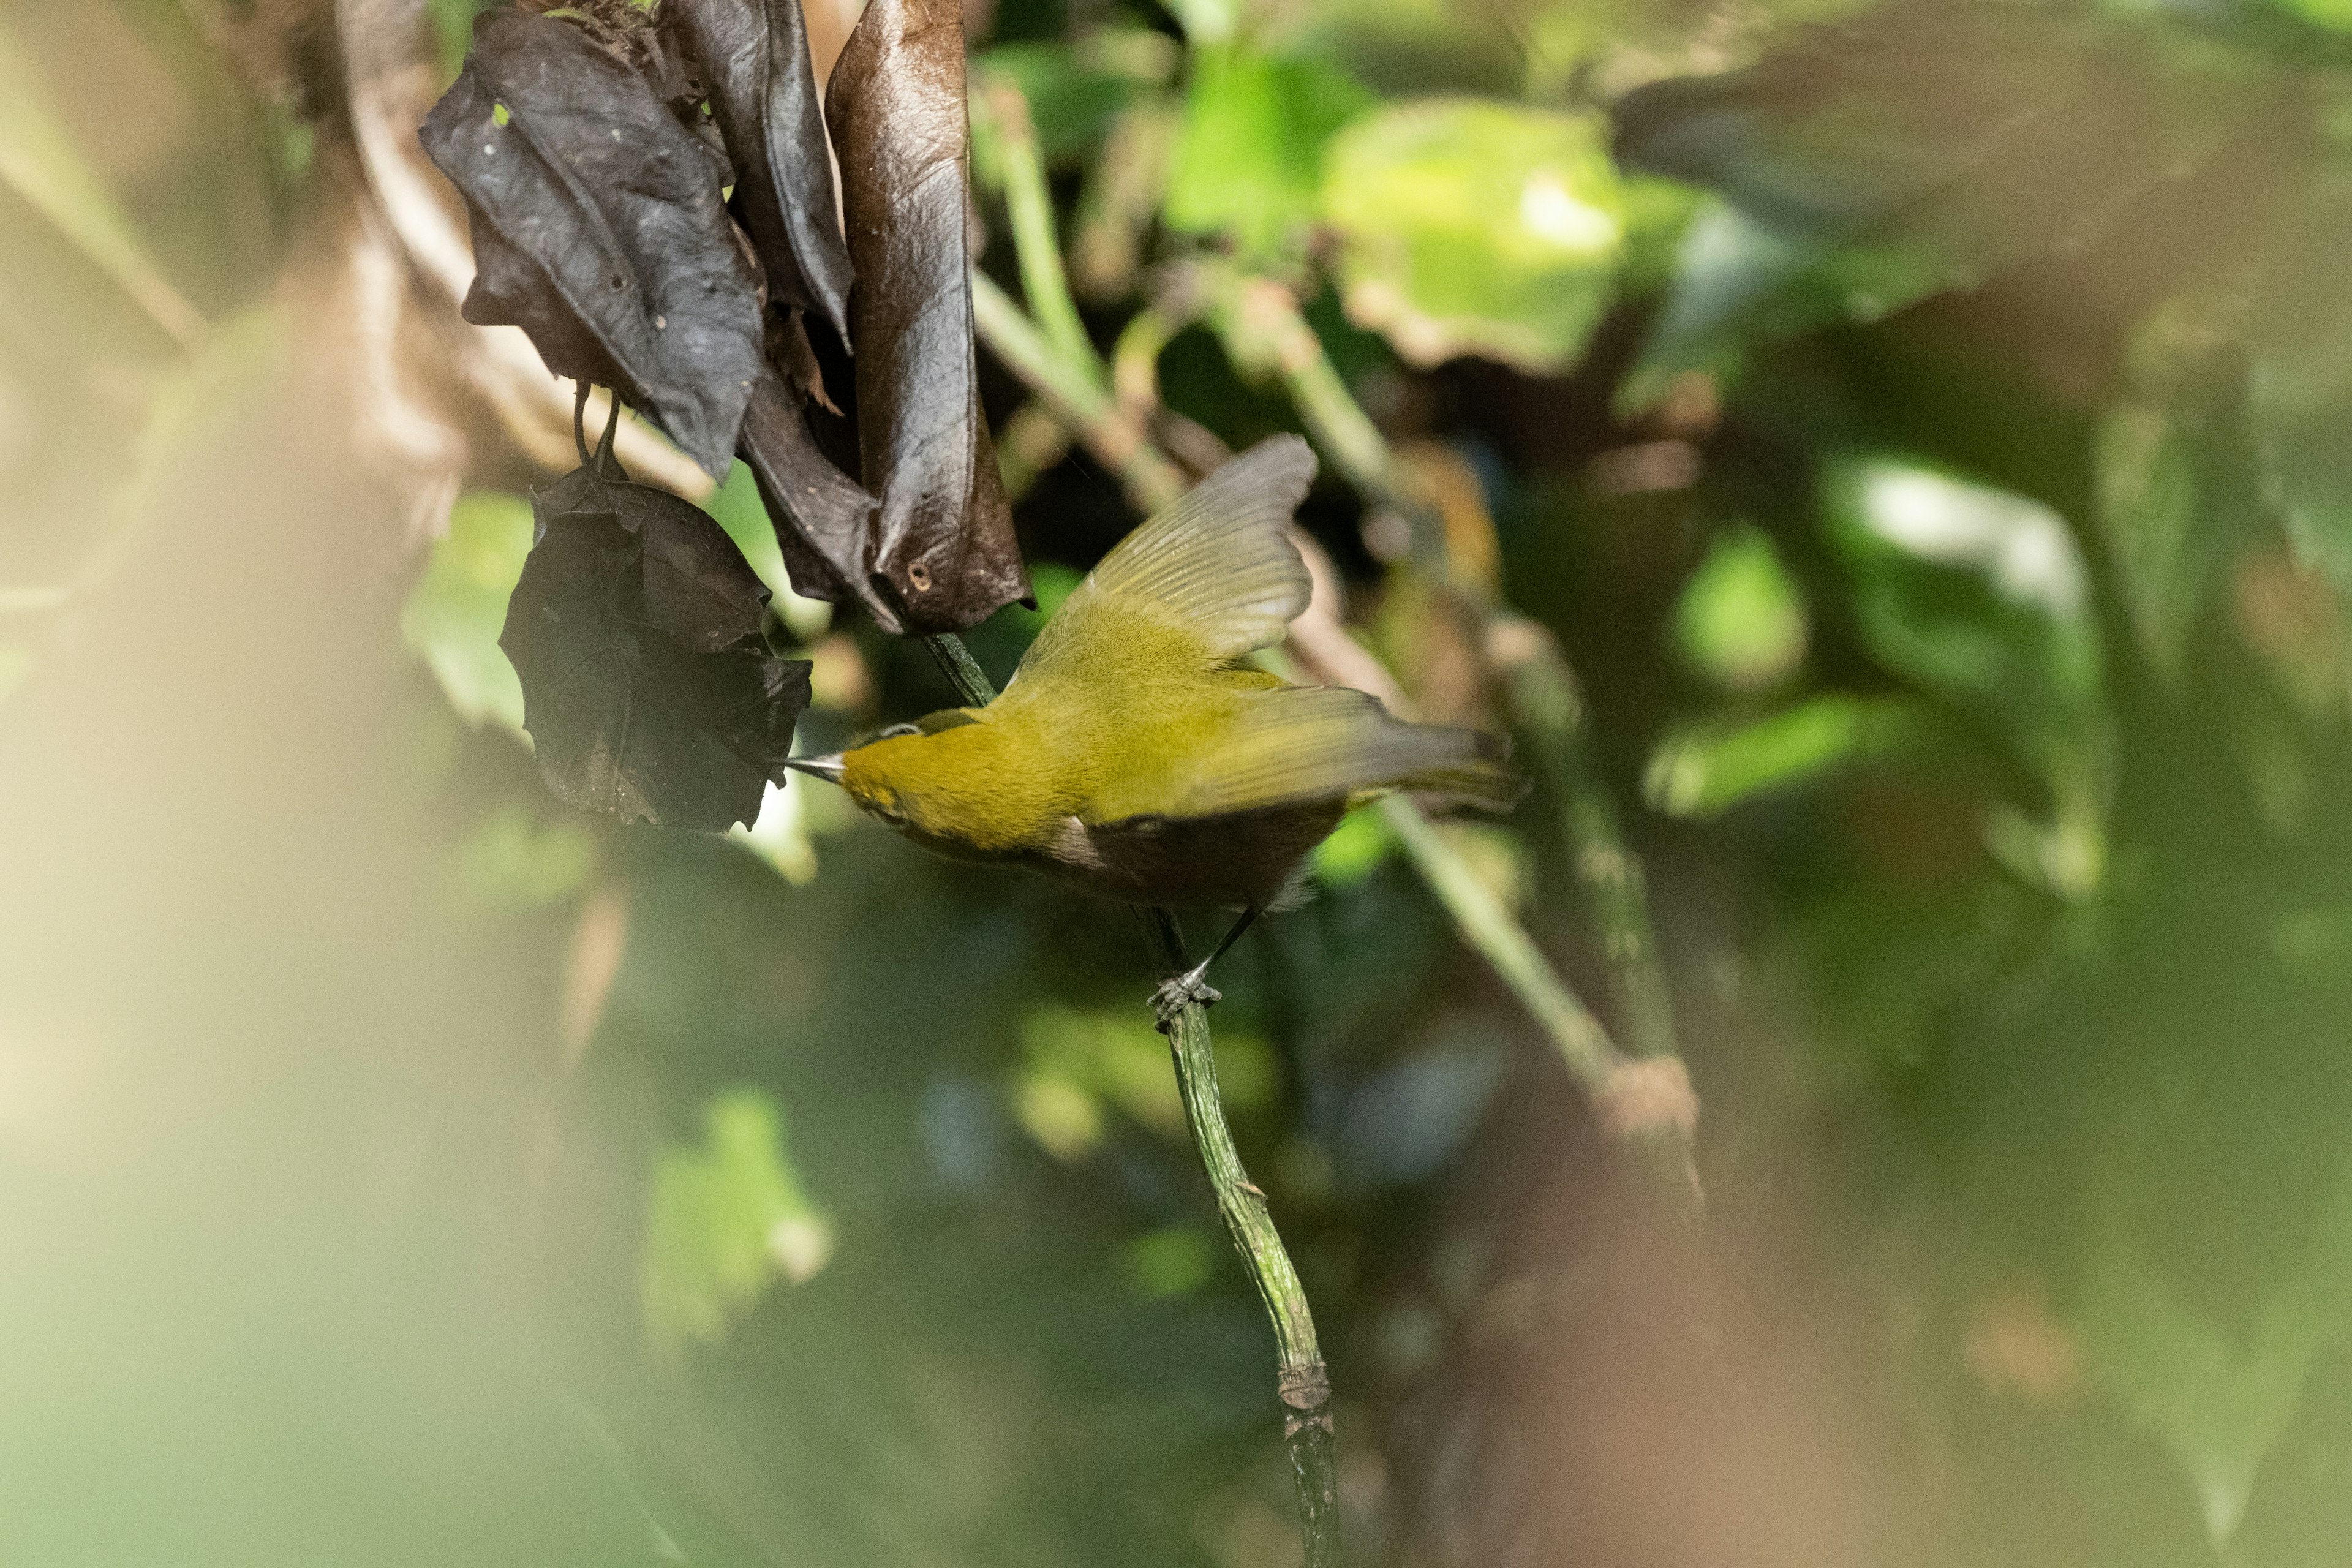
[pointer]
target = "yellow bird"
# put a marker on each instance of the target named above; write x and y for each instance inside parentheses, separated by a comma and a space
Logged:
(1136, 756)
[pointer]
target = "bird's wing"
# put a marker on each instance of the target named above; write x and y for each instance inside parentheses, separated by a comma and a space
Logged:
(1213, 565)
(1297, 743)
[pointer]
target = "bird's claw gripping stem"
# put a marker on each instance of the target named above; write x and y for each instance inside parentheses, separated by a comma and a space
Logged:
(1182, 992)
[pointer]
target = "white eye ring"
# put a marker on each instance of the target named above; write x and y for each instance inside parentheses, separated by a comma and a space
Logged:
(892, 731)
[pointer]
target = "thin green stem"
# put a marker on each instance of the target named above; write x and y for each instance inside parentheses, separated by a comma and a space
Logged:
(1499, 938)
(1303, 1384)
(1075, 395)
(1030, 206)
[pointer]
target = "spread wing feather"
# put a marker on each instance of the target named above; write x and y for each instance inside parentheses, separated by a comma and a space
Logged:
(1215, 563)
(1322, 742)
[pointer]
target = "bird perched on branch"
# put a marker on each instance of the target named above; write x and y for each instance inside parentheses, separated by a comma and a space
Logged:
(1136, 756)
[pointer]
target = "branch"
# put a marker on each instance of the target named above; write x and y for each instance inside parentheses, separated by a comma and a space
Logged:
(1304, 1383)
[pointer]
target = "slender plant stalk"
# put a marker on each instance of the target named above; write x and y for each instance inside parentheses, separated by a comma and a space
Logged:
(1075, 397)
(1490, 927)
(1061, 367)
(1030, 206)
(1304, 1384)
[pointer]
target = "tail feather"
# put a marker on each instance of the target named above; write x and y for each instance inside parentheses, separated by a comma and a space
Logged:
(1304, 743)
(1484, 779)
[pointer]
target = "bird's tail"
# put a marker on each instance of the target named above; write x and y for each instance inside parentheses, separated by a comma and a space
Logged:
(1468, 767)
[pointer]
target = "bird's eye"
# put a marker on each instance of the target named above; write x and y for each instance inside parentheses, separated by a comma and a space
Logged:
(895, 730)
(891, 815)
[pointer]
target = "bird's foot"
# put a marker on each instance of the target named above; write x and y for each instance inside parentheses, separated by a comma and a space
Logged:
(1184, 990)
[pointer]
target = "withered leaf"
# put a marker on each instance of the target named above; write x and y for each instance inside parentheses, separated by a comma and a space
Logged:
(646, 688)
(692, 584)
(943, 542)
(823, 519)
(599, 228)
(755, 60)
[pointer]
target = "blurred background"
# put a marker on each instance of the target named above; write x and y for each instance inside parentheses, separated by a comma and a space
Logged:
(1921, 428)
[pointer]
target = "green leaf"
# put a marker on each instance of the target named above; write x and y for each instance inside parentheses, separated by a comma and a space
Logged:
(1249, 158)
(1078, 1063)
(1176, 1261)
(1977, 597)
(1071, 102)
(1468, 226)
(1974, 594)
(729, 1218)
(1704, 770)
(1741, 621)
(2334, 15)
(1354, 851)
(454, 613)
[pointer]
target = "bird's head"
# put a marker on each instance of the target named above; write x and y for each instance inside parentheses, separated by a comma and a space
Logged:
(942, 782)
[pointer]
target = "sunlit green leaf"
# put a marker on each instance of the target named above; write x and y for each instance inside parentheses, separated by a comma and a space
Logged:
(1171, 1262)
(729, 1218)
(454, 615)
(1469, 226)
(1078, 1064)
(1704, 770)
(1976, 596)
(781, 835)
(1741, 620)
(1354, 851)
(1249, 158)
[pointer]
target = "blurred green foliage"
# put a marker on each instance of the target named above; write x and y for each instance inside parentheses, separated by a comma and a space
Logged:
(1920, 425)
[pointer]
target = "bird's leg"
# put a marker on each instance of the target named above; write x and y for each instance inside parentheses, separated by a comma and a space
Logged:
(1176, 994)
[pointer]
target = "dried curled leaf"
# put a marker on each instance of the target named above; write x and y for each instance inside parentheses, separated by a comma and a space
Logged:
(823, 519)
(755, 59)
(943, 542)
(599, 228)
(646, 688)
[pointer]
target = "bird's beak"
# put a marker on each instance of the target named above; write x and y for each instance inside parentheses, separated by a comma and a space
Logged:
(826, 768)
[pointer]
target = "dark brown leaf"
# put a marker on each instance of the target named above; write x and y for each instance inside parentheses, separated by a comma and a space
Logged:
(755, 60)
(598, 227)
(646, 688)
(823, 519)
(943, 544)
